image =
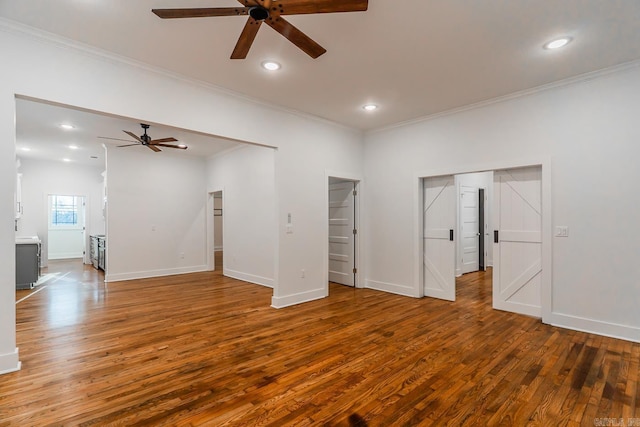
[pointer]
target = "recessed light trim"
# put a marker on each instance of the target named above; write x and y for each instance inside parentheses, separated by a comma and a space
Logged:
(557, 43)
(370, 107)
(67, 126)
(25, 149)
(271, 65)
(73, 147)
(66, 160)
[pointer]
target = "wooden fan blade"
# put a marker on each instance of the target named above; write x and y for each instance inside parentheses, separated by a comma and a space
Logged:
(181, 147)
(128, 145)
(200, 12)
(246, 39)
(114, 139)
(134, 136)
(296, 37)
(153, 147)
(155, 141)
(299, 7)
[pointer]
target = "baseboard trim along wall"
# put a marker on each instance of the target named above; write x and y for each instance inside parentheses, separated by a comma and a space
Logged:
(391, 288)
(153, 273)
(613, 330)
(10, 362)
(246, 277)
(289, 300)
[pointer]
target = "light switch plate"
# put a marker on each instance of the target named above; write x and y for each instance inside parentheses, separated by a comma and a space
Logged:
(562, 231)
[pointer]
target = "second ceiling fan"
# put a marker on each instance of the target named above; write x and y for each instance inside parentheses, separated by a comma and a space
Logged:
(146, 141)
(271, 12)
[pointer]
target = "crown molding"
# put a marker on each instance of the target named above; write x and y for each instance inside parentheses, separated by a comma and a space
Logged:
(581, 78)
(38, 35)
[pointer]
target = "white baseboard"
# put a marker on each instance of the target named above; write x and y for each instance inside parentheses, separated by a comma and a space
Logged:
(108, 277)
(299, 298)
(10, 362)
(391, 288)
(613, 330)
(246, 277)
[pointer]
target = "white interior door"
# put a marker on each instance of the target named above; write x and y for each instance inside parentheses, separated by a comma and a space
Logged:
(517, 263)
(341, 233)
(439, 217)
(66, 229)
(470, 228)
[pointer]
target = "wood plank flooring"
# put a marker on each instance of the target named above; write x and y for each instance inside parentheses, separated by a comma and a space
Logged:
(202, 349)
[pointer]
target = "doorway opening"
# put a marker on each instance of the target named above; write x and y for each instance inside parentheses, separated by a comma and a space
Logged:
(343, 231)
(216, 235)
(452, 238)
(473, 258)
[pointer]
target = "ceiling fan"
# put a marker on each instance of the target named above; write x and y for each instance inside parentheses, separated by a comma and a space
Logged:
(146, 140)
(271, 12)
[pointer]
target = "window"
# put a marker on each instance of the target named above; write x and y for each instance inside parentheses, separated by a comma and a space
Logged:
(64, 210)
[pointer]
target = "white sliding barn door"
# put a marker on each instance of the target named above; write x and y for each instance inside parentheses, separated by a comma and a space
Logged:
(341, 233)
(439, 218)
(517, 269)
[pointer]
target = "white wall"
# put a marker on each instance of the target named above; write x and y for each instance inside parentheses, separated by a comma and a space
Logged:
(301, 185)
(9, 358)
(589, 130)
(57, 70)
(478, 180)
(247, 178)
(156, 213)
(40, 178)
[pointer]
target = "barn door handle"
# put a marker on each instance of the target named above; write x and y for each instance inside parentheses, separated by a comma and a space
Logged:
(496, 238)
(451, 235)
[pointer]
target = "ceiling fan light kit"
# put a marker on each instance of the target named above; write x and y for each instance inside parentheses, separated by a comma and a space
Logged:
(271, 12)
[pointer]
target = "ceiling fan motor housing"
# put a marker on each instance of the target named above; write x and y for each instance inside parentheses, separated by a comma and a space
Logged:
(259, 13)
(146, 138)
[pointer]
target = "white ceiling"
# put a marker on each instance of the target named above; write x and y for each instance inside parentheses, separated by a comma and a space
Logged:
(413, 58)
(38, 130)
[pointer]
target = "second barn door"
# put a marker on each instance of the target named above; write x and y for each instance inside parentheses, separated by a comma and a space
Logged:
(439, 250)
(517, 269)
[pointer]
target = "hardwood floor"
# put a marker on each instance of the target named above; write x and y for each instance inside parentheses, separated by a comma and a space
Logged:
(202, 349)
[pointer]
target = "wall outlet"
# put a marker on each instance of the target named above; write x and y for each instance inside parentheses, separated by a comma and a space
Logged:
(181, 255)
(562, 231)
(302, 273)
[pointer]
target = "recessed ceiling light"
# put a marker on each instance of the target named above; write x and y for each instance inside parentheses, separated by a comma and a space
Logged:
(271, 65)
(25, 149)
(370, 107)
(66, 160)
(67, 126)
(557, 43)
(73, 147)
